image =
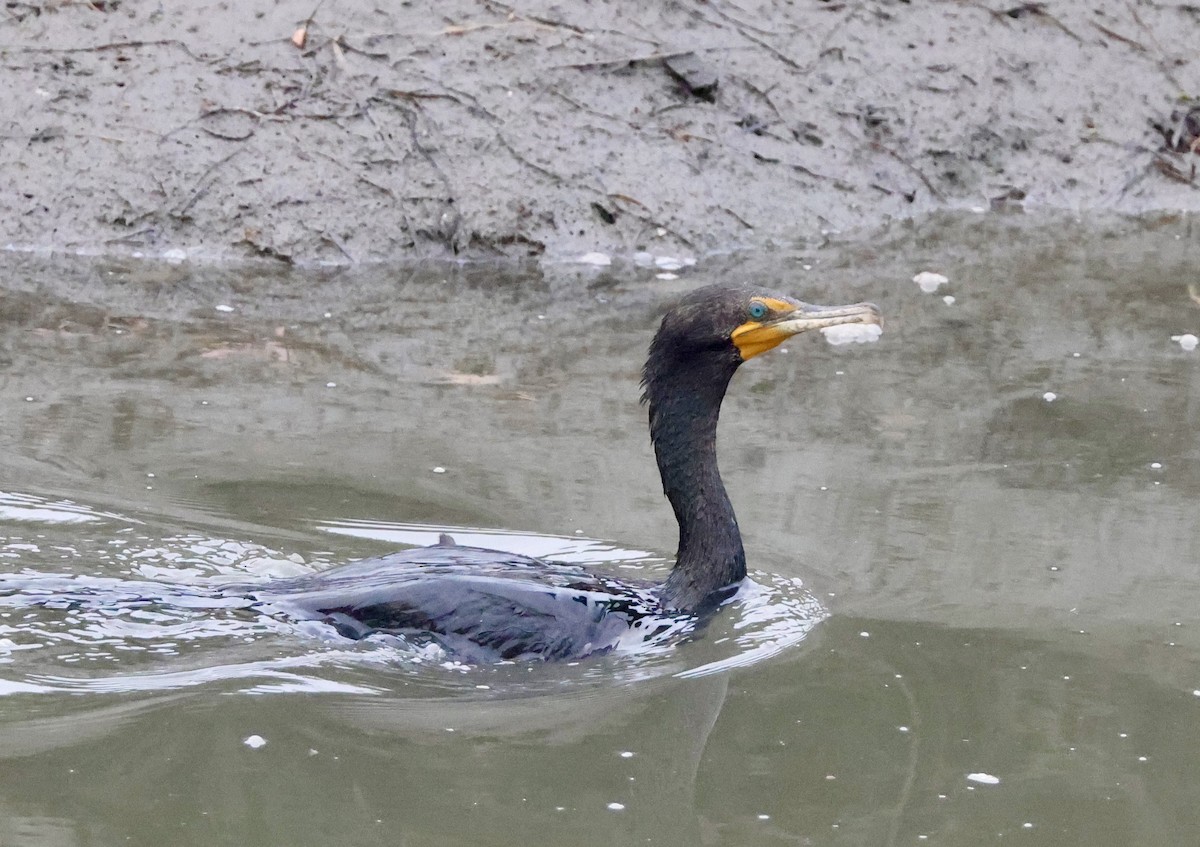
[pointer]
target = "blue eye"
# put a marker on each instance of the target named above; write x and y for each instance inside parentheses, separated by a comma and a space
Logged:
(758, 310)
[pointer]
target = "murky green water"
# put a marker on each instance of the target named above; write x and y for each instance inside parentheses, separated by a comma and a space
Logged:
(1011, 581)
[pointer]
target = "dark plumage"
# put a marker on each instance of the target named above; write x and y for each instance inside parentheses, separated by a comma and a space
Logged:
(486, 605)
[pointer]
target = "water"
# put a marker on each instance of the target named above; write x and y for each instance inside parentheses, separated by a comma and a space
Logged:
(953, 575)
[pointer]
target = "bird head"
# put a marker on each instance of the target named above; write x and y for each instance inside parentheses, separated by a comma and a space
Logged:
(738, 324)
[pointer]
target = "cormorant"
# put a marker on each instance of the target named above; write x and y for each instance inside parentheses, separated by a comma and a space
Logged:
(487, 605)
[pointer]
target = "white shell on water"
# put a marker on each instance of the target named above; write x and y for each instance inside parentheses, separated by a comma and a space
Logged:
(852, 333)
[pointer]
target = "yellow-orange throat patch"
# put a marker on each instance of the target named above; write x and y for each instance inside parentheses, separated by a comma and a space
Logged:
(755, 337)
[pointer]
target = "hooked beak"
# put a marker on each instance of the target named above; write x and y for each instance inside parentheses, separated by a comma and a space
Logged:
(755, 337)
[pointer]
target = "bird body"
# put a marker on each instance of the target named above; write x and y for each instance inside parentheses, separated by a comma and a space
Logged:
(487, 605)
(481, 605)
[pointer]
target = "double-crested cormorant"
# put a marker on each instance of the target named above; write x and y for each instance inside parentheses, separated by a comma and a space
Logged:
(487, 605)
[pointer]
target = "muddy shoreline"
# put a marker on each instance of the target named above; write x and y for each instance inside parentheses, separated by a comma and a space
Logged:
(356, 133)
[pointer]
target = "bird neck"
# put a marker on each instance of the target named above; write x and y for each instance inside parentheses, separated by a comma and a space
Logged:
(683, 427)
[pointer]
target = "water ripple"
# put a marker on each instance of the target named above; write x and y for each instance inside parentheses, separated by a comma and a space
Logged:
(110, 608)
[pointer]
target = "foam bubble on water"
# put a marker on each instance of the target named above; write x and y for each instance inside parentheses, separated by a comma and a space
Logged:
(672, 263)
(1187, 341)
(929, 282)
(983, 778)
(852, 333)
(599, 260)
(255, 741)
(616, 807)
(1049, 396)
